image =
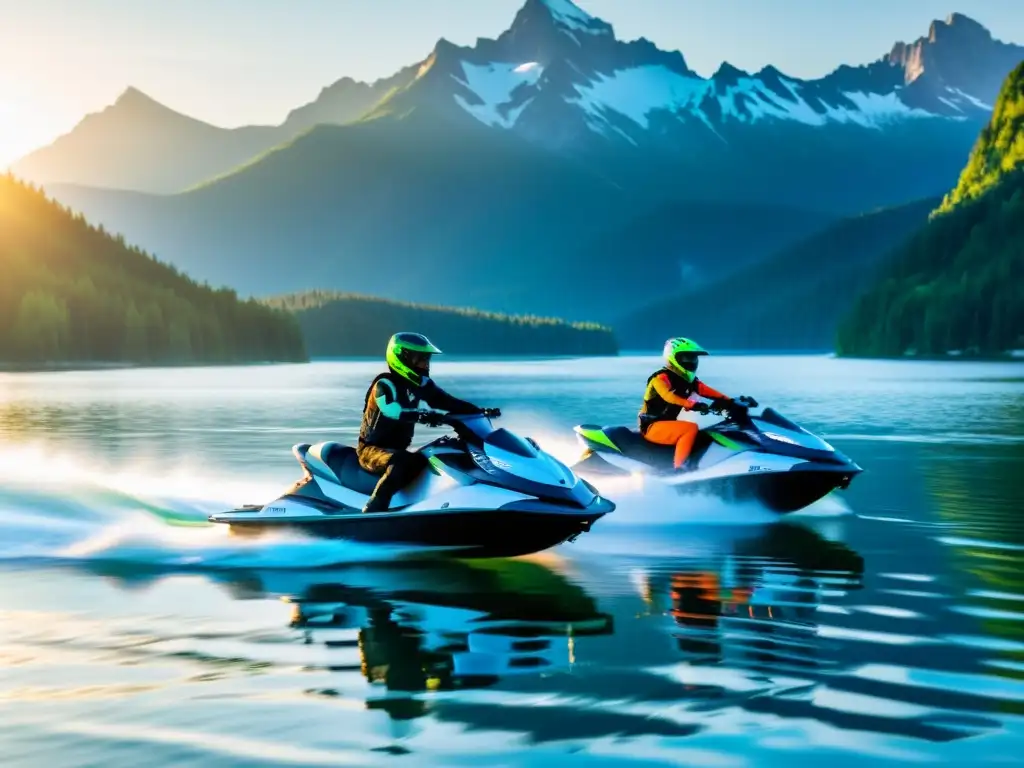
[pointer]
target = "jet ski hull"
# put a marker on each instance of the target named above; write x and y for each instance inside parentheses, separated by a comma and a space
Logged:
(777, 464)
(781, 492)
(507, 532)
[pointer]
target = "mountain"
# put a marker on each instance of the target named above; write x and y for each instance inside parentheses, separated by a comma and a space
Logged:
(342, 325)
(558, 170)
(896, 129)
(481, 219)
(560, 78)
(73, 293)
(137, 143)
(956, 66)
(345, 101)
(790, 301)
(958, 285)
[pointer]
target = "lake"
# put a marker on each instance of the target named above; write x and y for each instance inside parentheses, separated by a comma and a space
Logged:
(885, 624)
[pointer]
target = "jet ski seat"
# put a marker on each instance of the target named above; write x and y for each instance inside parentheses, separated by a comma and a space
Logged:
(344, 463)
(635, 446)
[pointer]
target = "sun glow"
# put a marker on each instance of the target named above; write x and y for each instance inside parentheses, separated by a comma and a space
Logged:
(8, 137)
(16, 137)
(21, 128)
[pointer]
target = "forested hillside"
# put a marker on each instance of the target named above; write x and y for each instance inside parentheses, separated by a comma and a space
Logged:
(958, 285)
(793, 300)
(73, 293)
(337, 325)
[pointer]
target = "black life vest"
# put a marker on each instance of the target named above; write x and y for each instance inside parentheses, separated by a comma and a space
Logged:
(383, 432)
(654, 408)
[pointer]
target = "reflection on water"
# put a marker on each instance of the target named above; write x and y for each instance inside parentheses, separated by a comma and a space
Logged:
(891, 634)
(981, 496)
(758, 610)
(482, 628)
(763, 629)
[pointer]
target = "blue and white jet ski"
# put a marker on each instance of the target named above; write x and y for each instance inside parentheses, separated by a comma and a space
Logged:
(485, 493)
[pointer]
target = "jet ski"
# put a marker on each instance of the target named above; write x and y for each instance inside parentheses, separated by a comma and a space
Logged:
(485, 493)
(764, 457)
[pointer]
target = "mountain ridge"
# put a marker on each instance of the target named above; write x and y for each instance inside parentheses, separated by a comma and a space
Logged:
(790, 300)
(361, 206)
(958, 285)
(493, 174)
(560, 78)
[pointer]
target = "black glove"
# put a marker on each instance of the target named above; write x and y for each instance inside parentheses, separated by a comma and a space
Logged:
(431, 418)
(492, 413)
(701, 408)
(738, 408)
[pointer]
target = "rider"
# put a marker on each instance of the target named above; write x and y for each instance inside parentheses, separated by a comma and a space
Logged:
(392, 410)
(672, 389)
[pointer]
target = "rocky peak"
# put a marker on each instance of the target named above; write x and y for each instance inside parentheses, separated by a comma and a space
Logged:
(958, 28)
(546, 29)
(727, 75)
(959, 53)
(562, 15)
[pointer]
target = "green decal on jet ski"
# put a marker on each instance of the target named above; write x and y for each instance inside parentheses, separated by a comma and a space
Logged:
(597, 436)
(724, 441)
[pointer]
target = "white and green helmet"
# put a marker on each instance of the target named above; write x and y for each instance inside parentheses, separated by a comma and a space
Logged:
(408, 356)
(681, 355)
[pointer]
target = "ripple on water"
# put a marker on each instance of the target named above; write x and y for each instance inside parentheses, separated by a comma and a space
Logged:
(701, 635)
(954, 682)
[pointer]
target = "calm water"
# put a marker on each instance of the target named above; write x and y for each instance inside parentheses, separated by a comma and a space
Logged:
(885, 625)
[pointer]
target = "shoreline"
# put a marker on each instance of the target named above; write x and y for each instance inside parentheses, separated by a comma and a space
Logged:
(104, 365)
(98, 365)
(938, 358)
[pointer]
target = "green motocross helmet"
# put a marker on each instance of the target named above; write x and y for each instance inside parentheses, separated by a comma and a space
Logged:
(408, 356)
(681, 356)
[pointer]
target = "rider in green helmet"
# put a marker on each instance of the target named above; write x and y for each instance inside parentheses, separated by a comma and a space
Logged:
(392, 410)
(672, 389)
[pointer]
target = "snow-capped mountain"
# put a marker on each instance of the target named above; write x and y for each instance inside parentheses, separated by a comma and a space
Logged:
(956, 69)
(559, 76)
(553, 155)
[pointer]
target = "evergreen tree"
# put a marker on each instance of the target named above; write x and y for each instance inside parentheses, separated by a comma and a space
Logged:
(337, 324)
(72, 292)
(41, 328)
(958, 284)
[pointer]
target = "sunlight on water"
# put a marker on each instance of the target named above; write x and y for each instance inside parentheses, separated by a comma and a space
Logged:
(43, 467)
(144, 513)
(882, 625)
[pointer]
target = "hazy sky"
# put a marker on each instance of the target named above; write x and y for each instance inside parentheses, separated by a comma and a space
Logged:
(233, 62)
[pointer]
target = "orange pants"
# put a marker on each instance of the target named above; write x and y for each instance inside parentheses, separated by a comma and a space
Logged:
(678, 433)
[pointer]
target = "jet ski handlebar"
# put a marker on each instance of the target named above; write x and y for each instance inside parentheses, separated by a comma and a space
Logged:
(441, 418)
(737, 407)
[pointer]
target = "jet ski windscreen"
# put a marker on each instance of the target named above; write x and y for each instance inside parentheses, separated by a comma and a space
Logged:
(507, 441)
(776, 418)
(794, 436)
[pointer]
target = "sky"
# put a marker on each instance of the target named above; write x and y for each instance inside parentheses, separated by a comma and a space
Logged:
(237, 62)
